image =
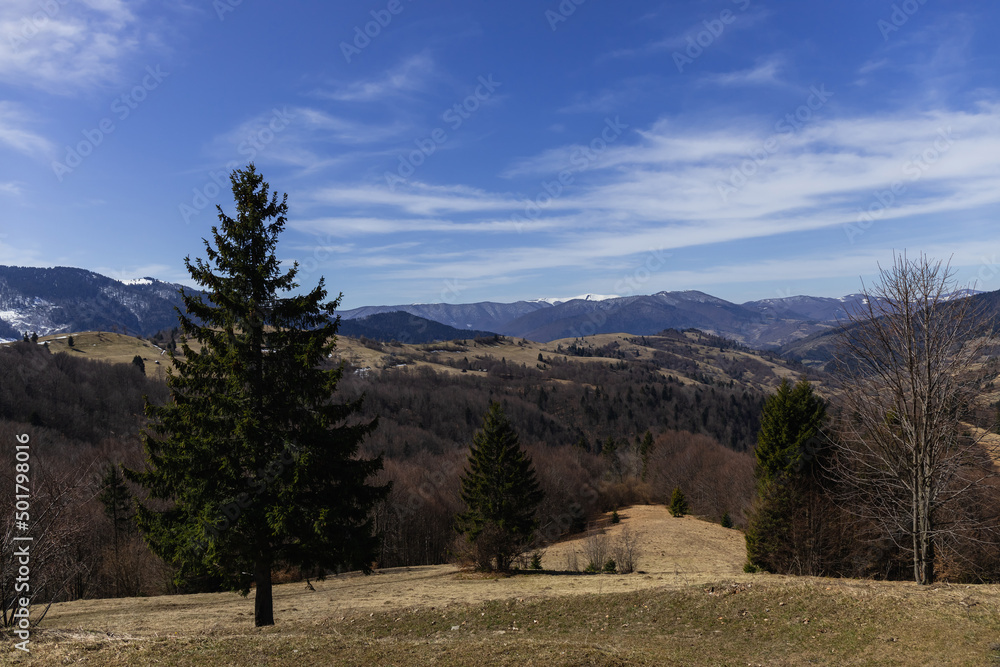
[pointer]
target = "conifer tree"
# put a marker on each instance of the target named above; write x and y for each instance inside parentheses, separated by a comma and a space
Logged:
(645, 450)
(678, 503)
(501, 494)
(788, 452)
(258, 465)
(117, 501)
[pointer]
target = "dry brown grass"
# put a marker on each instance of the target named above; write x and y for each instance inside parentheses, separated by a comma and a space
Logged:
(676, 552)
(692, 606)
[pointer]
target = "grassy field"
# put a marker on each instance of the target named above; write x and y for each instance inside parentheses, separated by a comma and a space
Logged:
(690, 605)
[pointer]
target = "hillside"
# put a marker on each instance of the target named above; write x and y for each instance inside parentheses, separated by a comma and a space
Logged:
(593, 388)
(404, 327)
(62, 299)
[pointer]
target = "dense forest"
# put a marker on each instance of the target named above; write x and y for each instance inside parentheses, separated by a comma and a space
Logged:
(601, 435)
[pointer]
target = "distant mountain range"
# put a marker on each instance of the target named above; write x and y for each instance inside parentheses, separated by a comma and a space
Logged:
(67, 299)
(62, 299)
(768, 323)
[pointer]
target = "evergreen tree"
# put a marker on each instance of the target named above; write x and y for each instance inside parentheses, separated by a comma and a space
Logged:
(789, 448)
(139, 363)
(117, 501)
(678, 503)
(501, 494)
(790, 426)
(70, 341)
(645, 449)
(259, 466)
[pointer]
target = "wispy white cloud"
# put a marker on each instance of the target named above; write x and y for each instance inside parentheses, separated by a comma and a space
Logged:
(15, 135)
(64, 47)
(303, 137)
(663, 191)
(765, 73)
(611, 99)
(418, 199)
(11, 188)
(678, 41)
(410, 76)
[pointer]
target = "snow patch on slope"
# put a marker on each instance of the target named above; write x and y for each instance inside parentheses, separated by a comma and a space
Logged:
(582, 297)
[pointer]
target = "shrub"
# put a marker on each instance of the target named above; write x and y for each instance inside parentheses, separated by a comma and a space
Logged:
(610, 567)
(678, 503)
(727, 521)
(626, 551)
(615, 518)
(536, 561)
(596, 550)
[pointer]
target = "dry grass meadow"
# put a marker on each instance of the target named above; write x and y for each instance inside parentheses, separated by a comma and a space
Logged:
(691, 604)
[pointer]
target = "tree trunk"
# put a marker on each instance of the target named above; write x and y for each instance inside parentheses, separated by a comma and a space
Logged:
(263, 607)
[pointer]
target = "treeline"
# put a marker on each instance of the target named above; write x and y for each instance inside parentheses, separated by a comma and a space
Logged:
(584, 425)
(80, 417)
(417, 520)
(580, 404)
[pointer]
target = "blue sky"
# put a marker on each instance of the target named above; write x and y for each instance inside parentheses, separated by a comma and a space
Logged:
(468, 151)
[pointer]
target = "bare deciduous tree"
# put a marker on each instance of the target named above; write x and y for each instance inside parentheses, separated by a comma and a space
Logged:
(911, 359)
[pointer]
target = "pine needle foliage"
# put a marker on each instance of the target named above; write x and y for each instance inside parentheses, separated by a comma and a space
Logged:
(678, 503)
(790, 447)
(501, 493)
(251, 464)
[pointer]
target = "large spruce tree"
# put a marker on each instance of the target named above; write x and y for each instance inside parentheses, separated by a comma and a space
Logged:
(783, 532)
(501, 493)
(251, 462)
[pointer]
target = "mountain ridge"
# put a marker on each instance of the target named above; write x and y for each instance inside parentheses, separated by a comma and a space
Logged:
(64, 299)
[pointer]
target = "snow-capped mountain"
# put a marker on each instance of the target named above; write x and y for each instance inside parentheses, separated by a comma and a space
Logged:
(62, 299)
(65, 300)
(583, 297)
